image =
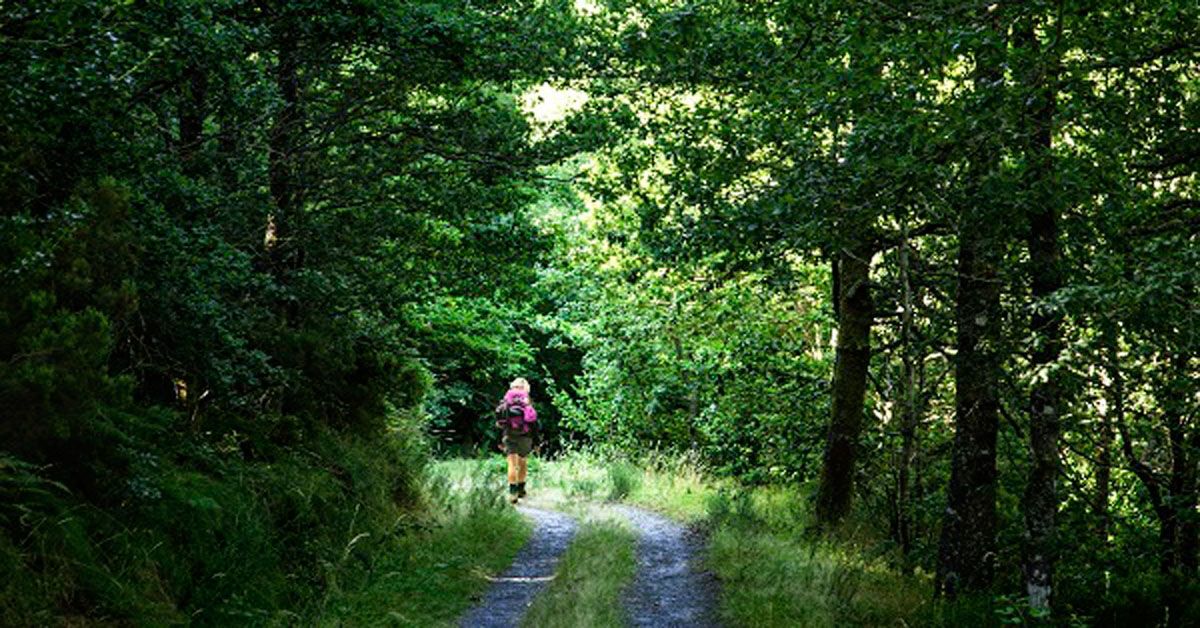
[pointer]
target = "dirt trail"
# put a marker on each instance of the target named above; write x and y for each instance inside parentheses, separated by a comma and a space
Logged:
(512, 592)
(668, 589)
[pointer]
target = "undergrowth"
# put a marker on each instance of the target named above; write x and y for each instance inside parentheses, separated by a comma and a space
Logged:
(187, 534)
(776, 569)
(432, 573)
(775, 573)
(773, 570)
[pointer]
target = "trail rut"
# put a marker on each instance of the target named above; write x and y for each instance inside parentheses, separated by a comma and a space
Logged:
(513, 591)
(668, 589)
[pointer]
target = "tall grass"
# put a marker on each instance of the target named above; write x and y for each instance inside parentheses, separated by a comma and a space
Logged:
(772, 570)
(341, 528)
(776, 570)
(586, 593)
(775, 573)
(623, 480)
(438, 566)
(669, 484)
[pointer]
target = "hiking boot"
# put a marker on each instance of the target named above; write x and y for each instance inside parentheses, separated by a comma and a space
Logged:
(521, 490)
(513, 493)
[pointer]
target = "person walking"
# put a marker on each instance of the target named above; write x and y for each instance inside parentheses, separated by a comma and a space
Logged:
(518, 420)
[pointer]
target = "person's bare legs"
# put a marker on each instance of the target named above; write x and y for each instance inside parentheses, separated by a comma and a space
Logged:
(514, 468)
(522, 471)
(513, 471)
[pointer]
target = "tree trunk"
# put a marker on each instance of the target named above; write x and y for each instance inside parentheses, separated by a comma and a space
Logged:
(1177, 530)
(1174, 500)
(856, 312)
(967, 547)
(1181, 506)
(1040, 500)
(966, 550)
(192, 112)
(1189, 529)
(282, 226)
(1153, 485)
(907, 402)
(1114, 409)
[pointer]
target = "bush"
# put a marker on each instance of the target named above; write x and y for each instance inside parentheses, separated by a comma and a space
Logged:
(623, 479)
(195, 534)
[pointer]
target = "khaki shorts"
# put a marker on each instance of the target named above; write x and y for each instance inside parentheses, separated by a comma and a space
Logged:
(520, 444)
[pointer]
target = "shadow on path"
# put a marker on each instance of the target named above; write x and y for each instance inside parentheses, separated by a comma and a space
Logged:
(513, 591)
(668, 589)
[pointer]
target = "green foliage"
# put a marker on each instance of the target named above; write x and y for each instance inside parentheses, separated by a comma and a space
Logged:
(192, 534)
(242, 247)
(623, 479)
(768, 138)
(722, 365)
(255, 255)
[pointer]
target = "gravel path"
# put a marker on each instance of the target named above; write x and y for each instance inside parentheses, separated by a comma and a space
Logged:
(512, 592)
(668, 589)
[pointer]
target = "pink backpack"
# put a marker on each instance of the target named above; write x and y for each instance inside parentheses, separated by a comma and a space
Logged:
(516, 412)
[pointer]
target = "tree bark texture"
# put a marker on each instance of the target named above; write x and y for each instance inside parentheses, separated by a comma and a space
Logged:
(966, 549)
(1040, 500)
(907, 403)
(856, 313)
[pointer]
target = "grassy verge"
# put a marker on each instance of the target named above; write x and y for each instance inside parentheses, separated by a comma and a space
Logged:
(773, 573)
(669, 485)
(439, 567)
(779, 574)
(587, 590)
(773, 577)
(171, 530)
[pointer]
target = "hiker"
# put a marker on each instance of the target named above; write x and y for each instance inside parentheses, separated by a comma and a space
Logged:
(518, 419)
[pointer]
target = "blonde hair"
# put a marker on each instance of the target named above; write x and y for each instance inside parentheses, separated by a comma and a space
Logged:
(520, 383)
